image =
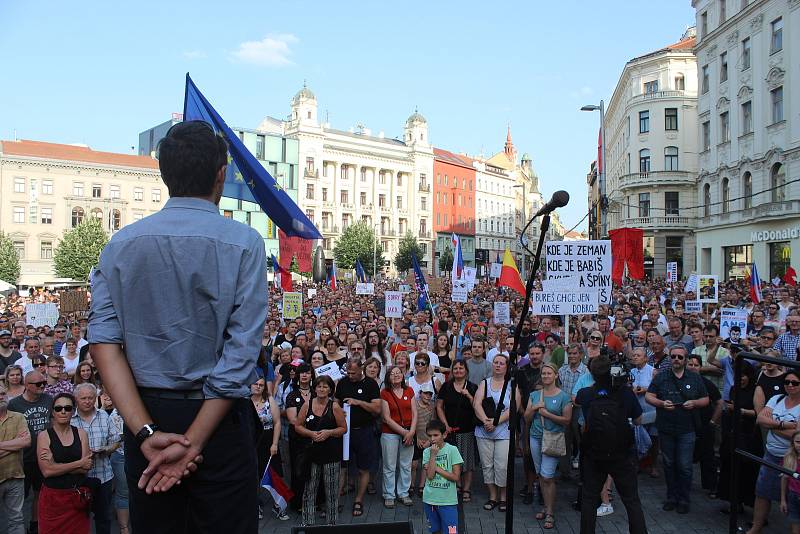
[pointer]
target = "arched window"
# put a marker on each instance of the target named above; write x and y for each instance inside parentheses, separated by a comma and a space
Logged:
(114, 220)
(671, 158)
(680, 84)
(707, 200)
(726, 195)
(747, 190)
(777, 182)
(644, 160)
(97, 213)
(77, 216)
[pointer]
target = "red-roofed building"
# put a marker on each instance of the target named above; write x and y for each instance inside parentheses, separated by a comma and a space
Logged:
(453, 203)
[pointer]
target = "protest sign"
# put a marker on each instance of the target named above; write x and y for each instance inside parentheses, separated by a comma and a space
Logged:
(330, 369)
(365, 288)
(460, 291)
(672, 271)
(691, 284)
(346, 437)
(75, 300)
(469, 274)
(494, 270)
(292, 306)
(405, 288)
(312, 292)
(394, 304)
(693, 306)
(574, 302)
(590, 260)
(708, 288)
(733, 324)
(502, 313)
(561, 284)
(41, 314)
(348, 276)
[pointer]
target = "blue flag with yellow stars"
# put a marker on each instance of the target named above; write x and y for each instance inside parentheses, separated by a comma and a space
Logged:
(246, 179)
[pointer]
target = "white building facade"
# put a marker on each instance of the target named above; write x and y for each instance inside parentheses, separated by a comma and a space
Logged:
(347, 177)
(496, 203)
(651, 154)
(749, 136)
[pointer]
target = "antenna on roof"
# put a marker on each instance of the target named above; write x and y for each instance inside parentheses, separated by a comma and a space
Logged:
(15, 135)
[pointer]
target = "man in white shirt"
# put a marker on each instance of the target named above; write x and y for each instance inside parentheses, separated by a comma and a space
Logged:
(508, 346)
(75, 333)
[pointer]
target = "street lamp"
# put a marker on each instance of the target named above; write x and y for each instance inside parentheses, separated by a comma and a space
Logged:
(374, 251)
(523, 241)
(601, 165)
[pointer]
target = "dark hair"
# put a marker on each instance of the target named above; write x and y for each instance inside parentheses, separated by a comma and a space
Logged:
(63, 395)
(324, 379)
(387, 384)
(434, 425)
(189, 156)
(600, 367)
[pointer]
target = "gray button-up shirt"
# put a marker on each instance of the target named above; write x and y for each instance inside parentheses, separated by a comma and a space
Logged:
(185, 291)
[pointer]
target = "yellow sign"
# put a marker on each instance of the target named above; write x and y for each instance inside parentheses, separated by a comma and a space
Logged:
(292, 305)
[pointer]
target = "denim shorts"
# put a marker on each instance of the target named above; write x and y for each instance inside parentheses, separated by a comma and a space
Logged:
(768, 484)
(546, 466)
(793, 503)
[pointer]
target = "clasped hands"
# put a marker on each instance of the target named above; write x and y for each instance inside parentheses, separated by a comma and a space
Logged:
(171, 457)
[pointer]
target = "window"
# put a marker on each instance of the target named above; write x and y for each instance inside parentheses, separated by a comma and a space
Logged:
(138, 194)
(114, 191)
(644, 204)
(776, 44)
(345, 222)
(399, 202)
(19, 185)
(382, 201)
(423, 204)
(707, 200)
(310, 165)
(77, 189)
(324, 194)
(747, 190)
(47, 187)
(747, 117)
(644, 121)
(97, 191)
(77, 216)
(310, 215)
(671, 203)
(19, 214)
(776, 100)
(651, 87)
(703, 24)
(115, 220)
(706, 133)
(97, 213)
(423, 180)
(704, 82)
(362, 198)
(726, 195)
(259, 147)
(724, 127)
(46, 250)
(777, 181)
(310, 191)
(363, 174)
(444, 198)
(344, 196)
(47, 215)
(746, 53)
(155, 195)
(723, 67)
(399, 180)
(671, 158)
(722, 11)
(343, 172)
(139, 216)
(738, 261)
(680, 82)
(671, 119)
(382, 178)
(644, 160)
(19, 248)
(324, 170)
(780, 256)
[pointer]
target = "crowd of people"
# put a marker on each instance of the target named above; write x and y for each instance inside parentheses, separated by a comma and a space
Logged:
(352, 402)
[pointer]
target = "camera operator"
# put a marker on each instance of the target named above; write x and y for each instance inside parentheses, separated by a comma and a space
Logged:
(607, 444)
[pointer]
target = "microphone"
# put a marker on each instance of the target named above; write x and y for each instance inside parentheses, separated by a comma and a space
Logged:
(558, 200)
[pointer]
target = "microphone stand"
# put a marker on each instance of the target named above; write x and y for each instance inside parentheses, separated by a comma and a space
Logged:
(512, 369)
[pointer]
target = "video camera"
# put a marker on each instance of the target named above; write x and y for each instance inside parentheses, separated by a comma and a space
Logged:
(620, 367)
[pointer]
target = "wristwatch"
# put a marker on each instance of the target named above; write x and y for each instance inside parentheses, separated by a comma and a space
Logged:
(146, 431)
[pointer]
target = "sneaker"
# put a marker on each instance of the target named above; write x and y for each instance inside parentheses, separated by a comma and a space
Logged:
(406, 501)
(260, 513)
(388, 503)
(576, 463)
(604, 509)
(280, 514)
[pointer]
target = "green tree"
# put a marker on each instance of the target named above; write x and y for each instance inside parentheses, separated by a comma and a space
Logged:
(358, 242)
(79, 249)
(408, 245)
(9, 260)
(446, 260)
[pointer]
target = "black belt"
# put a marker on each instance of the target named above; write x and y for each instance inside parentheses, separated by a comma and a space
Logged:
(173, 394)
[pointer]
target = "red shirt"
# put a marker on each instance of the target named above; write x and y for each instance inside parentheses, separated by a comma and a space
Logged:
(399, 409)
(614, 343)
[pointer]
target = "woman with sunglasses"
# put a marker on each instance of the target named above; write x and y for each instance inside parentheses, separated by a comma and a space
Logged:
(14, 383)
(423, 374)
(593, 345)
(64, 459)
(297, 397)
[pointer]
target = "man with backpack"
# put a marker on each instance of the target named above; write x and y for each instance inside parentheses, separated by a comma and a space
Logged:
(607, 446)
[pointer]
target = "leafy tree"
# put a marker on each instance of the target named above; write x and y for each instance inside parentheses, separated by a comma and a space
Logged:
(79, 249)
(446, 260)
(358, 242)
(408, 245)
(9, 260)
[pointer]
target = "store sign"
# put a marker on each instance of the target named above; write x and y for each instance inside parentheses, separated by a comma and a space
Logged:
(775, 235)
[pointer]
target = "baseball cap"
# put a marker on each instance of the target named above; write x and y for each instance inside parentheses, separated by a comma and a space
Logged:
(285, 346)
(426, 388)
(4, 333)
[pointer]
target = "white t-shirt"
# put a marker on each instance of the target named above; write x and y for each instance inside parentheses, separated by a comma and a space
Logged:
(70, 366)
(494, 352)
(432, 355)
(81, 343)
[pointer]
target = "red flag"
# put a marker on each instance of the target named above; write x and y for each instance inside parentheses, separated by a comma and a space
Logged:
(790, 277)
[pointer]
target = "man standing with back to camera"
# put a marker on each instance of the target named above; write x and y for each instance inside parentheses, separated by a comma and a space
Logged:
(179, 301)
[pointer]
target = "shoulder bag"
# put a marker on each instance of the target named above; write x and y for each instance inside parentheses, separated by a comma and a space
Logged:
(554, 444)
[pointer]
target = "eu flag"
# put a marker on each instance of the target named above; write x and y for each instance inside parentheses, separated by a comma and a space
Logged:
(246, 178)
(361, 276)
(422, 288)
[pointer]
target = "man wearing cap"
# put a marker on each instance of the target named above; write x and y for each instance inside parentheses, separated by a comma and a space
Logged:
(8, 356)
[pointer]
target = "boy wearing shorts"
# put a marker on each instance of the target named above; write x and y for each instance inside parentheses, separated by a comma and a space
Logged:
(442, 463)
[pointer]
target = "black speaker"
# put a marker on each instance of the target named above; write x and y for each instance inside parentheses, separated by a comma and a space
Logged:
(393, 527)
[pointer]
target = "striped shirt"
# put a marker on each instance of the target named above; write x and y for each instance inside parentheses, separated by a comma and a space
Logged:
(102, 432)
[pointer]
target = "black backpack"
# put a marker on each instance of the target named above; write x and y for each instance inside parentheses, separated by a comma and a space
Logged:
(608, 431)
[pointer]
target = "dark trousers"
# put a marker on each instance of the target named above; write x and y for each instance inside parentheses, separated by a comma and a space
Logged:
(704, 453)
(101, 507)
(676, 456)
(595, 471)
(220, 496)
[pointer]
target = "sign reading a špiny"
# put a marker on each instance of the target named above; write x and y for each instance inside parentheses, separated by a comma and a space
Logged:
(589, 260)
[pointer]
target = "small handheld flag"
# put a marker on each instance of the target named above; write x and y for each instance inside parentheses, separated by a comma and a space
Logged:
(458, 258)
(755, 285)
(284, 277)
(790, 277)
(275, 485)
(332, 276)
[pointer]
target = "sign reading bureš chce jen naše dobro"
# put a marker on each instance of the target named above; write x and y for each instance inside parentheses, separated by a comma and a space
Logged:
(589, 260)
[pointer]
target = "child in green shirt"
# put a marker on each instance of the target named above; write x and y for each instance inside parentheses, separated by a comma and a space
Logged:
(442, 463)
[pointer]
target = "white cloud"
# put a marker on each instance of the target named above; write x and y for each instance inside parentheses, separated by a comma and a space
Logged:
(194, 54)
(272, 51)
(582, 92)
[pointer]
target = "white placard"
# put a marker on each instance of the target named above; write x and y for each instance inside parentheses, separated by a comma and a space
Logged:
(495, 269)
(590, 260)
(565, 303)
(460, 291)
(708, 288)
(691, 284)
(730, 318)
(41, 314)
(346, 437)
(312, 292)
(560, 284)
(365, 288)
(469, 274)
(405, 288)
(394, 304)
(502, 313)
(330, 369)
(672, 271)
(693, 306)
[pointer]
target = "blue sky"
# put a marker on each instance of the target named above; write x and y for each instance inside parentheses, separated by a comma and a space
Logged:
(100, 72)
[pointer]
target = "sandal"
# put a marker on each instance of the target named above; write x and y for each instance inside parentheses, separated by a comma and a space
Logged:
(501, 506)
(549, 522)
(541, 515)
(466, 496)
(490, 505)
(358, 509)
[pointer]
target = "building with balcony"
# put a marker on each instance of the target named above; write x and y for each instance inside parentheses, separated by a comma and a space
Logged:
(48, 188)
(749, 164)
(651, 155)
(453, 204)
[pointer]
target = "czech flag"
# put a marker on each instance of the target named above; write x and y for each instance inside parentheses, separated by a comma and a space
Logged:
(284, 277)
(790, 277)
(275, 485)
(458, 258)
(755, 285)
(332, 276)
(509, 275)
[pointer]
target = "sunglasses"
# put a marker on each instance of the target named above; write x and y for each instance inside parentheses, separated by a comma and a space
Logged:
(593, 338)
(793, 383)
(38, 384)
(62, 408)
(420, 364)
(677, 357)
